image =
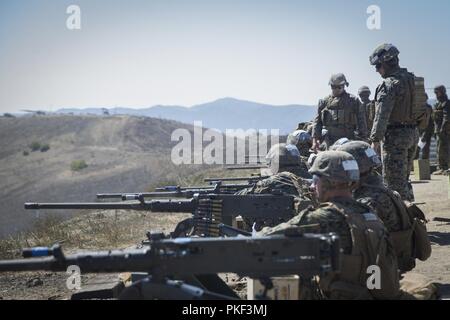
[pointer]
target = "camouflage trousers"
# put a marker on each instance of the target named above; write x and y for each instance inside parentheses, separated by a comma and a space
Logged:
(443, 150)
(398, 150)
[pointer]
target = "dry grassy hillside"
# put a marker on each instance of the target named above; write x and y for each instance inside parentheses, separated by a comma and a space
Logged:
(122, 153)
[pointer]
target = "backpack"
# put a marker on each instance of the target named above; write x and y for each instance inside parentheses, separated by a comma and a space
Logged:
(402, 240)
(422, 244)
(370, 246)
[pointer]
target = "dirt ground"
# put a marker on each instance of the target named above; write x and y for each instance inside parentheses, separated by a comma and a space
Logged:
(433, 196)
(436, 197)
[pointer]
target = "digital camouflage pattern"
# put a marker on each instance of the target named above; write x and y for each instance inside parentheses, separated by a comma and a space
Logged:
(392, 211)
(341, 116)
(395, 127)
(280, 183)
(395, 151)
(372, 192)
(285, 183)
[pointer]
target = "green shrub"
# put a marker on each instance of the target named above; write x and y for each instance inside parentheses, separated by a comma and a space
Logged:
(35, 146)
(78, 165)
(45, 147)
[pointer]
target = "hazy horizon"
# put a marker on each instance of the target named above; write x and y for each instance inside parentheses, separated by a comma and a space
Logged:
(140, 54)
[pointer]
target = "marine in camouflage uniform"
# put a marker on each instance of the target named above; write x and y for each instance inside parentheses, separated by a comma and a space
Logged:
(394, 125)
(340, 114)
(334, 174)
(442, 126)
(288, 177)
(367, 105)
(289, 173)
(386, 204)
(302, 140)
(426, 135)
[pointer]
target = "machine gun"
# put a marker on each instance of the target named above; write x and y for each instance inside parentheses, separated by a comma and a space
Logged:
(167, 263)
(208, 210)
(253, 178)
(178, 192)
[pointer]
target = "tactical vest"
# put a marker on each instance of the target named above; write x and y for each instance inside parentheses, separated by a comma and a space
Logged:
(340, 113)
(438, 113)
(402, 112)
(370, 247)
(402, 240)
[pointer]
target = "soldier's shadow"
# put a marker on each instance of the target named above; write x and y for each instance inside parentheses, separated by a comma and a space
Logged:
(439, 238)
(419, 181)
(444, 290)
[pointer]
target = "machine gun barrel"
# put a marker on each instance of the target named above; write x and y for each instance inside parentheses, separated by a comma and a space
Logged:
(251, 178)
(249, 167)
(176, 192)
(185, 205)
(254, 206)
(275, 255)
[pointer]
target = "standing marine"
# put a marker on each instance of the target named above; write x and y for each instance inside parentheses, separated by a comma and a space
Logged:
(367, 105)
(340, 114)
(394, 124)
(442, 127)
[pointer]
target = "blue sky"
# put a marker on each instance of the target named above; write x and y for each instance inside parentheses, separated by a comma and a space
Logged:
(183, 52)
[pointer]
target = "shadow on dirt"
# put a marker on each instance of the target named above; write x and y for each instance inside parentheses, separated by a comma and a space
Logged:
(440, 238)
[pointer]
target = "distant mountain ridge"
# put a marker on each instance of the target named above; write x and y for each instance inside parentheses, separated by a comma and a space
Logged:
(221, 114)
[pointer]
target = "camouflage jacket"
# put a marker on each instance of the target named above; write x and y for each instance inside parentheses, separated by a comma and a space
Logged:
(342, 113)
(324, 219)
(280, 183)
(393, 103)
(442, 116)
(374, 194)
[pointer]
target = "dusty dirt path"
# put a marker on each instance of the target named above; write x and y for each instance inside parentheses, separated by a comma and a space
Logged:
(435, 194)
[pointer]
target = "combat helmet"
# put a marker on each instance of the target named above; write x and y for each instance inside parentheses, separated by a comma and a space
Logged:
(363, 89)
(363, 153)
(383, 53)
(338, 79)
(336, 166)
(338, 143)
(299, 138)
(282, 155)
(440, 88)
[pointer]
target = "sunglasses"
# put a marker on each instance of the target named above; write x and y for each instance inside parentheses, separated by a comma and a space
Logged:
(337, 87)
